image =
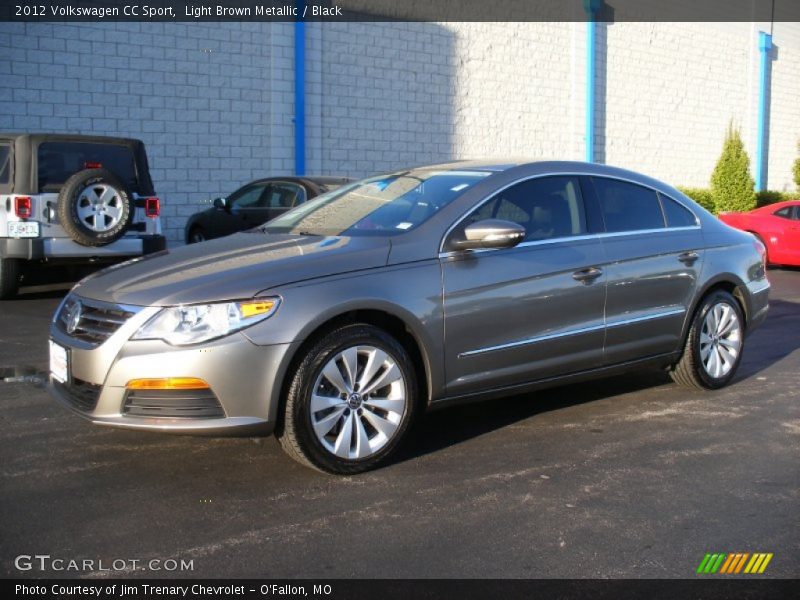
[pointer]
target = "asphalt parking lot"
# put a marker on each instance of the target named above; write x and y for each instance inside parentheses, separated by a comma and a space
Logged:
(628, 477)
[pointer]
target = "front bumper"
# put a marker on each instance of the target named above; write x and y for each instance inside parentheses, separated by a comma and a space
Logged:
(241, 376)
(38, 248)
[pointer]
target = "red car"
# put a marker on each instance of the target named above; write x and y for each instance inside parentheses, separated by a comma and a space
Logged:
(776, 225)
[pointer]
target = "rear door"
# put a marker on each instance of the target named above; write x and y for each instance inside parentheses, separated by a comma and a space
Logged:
(533, 311)
(654, 248)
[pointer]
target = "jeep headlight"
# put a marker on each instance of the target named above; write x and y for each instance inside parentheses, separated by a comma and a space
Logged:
(182, 325)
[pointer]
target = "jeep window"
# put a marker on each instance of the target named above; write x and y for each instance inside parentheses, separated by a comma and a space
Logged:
(5, 162)
(58, 161)
(378, 206)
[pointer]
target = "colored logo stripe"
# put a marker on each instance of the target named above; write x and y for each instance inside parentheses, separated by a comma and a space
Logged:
(734, 563)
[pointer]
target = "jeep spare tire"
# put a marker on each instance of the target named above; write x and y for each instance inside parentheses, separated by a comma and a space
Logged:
(95, 207)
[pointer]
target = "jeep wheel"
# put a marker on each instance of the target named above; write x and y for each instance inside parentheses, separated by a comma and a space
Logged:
(9, 277)
(95, 208)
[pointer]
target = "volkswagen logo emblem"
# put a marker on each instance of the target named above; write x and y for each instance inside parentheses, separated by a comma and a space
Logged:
(74, 317)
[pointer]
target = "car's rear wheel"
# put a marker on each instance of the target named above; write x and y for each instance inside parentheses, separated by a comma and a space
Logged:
(713, 348)
(350, 401)
(9, 277)
(95, 207)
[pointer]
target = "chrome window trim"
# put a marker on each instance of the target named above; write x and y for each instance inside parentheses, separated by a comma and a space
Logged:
(590, 236)
(571, 332)
(478, 205)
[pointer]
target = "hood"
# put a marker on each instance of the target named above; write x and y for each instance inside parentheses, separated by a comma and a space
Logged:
(231, 268)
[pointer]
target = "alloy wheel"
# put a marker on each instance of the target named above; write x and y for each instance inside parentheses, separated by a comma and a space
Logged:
(358, 402)
(720, 340)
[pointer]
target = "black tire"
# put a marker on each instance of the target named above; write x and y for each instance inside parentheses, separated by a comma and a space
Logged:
(689, 371)
(9, 278)
(296, 434)
(196, 235)
(71, 199)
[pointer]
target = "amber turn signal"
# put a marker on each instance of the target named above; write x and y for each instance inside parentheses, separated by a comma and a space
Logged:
(168, 383)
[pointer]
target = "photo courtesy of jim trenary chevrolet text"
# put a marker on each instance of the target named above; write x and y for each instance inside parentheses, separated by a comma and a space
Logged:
(352, 298)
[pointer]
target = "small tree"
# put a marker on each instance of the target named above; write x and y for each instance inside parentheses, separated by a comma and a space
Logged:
(796, 170)
(732, 187)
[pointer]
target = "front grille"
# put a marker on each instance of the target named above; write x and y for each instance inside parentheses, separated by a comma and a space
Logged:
(81, 394)
(193, 404)
(90, 321)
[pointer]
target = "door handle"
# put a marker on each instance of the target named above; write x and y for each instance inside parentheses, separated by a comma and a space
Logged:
(587, 276)
(688, 258)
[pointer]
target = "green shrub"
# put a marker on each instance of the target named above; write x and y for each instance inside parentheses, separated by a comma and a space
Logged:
(769, 197)
(700, 195)
(796, 170)
(732, 187)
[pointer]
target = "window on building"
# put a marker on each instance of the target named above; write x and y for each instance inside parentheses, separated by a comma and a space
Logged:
(627, 206)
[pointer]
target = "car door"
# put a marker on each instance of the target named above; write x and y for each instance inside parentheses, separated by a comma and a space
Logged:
(280, 197)
(787, 222)
(654, 247)
(533, 311)
(241, 210)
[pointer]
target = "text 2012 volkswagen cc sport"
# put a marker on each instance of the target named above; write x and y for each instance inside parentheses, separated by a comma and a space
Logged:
(334, 324)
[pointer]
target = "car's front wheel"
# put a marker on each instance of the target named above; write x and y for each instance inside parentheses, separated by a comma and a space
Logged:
(350, 402)
(713, 348)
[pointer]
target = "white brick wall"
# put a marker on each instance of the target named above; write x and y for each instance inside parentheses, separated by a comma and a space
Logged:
(214, 101)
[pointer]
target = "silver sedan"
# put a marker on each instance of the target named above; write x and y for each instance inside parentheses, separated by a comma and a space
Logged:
(337, 323)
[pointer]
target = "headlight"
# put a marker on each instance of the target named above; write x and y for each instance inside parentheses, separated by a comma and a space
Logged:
(182, 325)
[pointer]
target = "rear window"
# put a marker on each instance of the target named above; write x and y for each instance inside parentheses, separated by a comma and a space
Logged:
(5, 162)
(676, 214)
(58, 161)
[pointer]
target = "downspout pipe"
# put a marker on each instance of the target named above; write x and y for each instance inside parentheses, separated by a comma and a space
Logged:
(764, 47)
(300, 92)
(591, 7)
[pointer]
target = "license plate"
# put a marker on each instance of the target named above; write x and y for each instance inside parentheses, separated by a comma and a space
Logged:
(23, 230)
(59, 362)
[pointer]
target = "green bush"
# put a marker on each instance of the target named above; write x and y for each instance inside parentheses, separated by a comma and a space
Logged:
(769, 197)
(732, 187)
(700, 195)
(796, 170)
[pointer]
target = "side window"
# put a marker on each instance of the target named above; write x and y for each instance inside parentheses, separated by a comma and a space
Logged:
(627, 206)
(285, 195)
(248, 197)
(548, 207)
(797, 212)
(5, 163)
(784, 213)
(676, 214)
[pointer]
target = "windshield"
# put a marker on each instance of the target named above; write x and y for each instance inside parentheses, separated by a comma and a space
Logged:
(385, 205)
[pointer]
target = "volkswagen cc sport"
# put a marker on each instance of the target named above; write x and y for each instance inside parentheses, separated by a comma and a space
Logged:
(338, 322)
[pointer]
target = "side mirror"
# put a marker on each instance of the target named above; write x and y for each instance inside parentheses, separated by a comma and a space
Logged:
(219, 203)
(490, 233)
